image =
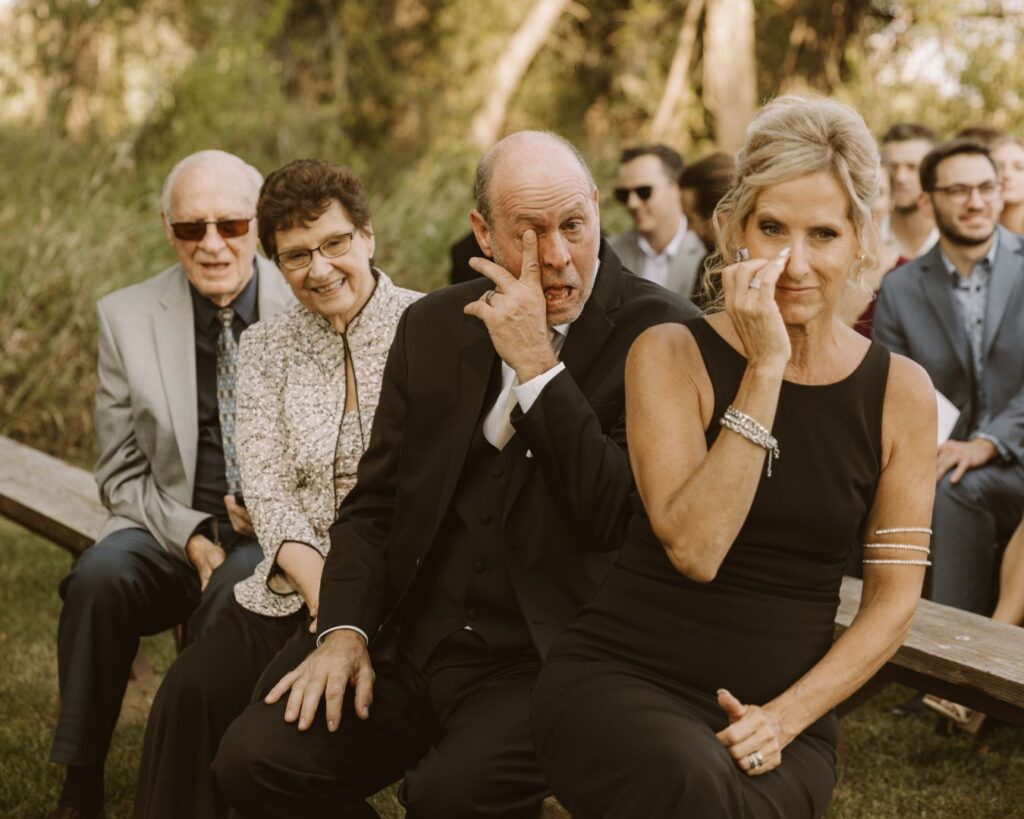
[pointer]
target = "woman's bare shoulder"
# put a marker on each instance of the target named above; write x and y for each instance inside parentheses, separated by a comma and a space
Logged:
(909, 409)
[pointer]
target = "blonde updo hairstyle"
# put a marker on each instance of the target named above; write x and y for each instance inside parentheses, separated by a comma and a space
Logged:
(791, 137)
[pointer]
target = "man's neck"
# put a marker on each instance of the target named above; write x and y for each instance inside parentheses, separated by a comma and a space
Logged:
(663, 235)
(910, 228)
(964, 257)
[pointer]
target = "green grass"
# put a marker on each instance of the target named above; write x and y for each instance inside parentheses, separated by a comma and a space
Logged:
(893, 769)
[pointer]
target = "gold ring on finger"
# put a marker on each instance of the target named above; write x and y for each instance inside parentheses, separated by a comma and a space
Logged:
(488, 296)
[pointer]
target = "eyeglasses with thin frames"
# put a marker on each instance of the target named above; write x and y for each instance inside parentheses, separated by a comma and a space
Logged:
(961, 193)
(195, 231)
(642, 191)
(332, 247)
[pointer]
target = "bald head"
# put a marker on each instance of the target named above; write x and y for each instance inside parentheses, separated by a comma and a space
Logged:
(535, 181)
(215, 163)
(538, 147)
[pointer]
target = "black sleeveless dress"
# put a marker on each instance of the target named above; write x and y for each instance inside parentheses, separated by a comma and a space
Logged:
(625, 710)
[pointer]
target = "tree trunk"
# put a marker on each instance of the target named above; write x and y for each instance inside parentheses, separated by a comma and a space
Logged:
(677, 87)
(511, 67)
(730, 78)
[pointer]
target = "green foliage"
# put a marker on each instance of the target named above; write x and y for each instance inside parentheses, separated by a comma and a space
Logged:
(127, 87)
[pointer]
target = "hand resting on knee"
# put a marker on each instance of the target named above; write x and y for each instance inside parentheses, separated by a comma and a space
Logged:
(341, 658)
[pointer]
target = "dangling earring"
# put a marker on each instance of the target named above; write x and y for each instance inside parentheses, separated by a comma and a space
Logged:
(858, 271)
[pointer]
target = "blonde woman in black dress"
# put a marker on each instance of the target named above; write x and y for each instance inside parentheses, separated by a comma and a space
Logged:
(766, 440)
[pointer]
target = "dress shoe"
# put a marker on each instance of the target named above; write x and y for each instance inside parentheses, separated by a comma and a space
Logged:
(958, 716)
(913, 707)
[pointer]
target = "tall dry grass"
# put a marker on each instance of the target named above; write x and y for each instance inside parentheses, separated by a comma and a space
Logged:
(80, 220)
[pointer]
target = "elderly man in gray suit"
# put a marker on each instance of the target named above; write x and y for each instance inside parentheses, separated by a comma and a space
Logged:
(177, 540)
(958, 311)
(660, 247)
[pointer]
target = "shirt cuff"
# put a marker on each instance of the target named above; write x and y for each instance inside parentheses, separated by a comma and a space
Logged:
(528, 393)
(359, 631)
(1004, 454)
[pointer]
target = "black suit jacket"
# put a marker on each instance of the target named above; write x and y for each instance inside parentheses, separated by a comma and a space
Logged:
(567, 505)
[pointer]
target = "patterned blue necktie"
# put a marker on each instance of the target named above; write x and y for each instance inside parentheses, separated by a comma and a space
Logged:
(227, 358)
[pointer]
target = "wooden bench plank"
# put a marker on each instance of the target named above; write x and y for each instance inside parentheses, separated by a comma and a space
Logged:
(49, 497)
(957, 654)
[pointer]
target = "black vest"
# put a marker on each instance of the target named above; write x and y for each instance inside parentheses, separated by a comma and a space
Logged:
(464, 580)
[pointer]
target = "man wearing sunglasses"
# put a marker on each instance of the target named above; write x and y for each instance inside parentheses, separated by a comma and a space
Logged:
(958, 311)
(177, 540)
(660, 246)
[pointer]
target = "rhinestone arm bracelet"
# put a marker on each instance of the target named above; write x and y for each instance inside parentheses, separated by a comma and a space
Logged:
(742, 424)
(906, 547)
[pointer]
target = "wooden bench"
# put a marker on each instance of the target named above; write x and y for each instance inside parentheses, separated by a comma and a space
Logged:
(955, 654)
(61, 503)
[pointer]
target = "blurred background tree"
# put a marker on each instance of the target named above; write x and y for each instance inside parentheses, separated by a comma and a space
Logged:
(99, 98)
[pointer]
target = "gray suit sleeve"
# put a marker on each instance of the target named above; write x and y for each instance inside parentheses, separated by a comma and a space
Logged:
(123, 473)
(887, 328)
(1008, 427)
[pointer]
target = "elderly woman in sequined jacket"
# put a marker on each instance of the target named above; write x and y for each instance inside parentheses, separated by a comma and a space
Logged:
(308, 384)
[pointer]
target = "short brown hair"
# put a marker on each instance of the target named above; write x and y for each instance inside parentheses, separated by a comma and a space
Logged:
(909, 131)
(940, 153)
(301, 191)
(711, 178)
(671, 161)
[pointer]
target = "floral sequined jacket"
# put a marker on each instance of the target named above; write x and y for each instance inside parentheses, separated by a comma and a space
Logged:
(297, 448)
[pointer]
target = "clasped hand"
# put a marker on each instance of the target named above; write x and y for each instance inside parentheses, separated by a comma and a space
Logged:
(515, 313)
(206, 556)
(753, 733)
(340, 660)
(241, 522)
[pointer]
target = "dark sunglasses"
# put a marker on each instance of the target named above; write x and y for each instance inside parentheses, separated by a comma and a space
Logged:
(643, 191)
(195, 231)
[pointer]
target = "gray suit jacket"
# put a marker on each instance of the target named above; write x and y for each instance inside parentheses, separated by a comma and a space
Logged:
(146, 404)
(916, 316)
(684, 269)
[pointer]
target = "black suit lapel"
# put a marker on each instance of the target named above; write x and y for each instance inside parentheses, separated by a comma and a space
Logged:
(477, 358)
(1006, 276)
(587, 337)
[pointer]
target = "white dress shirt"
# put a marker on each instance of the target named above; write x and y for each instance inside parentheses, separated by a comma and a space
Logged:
(657, 265)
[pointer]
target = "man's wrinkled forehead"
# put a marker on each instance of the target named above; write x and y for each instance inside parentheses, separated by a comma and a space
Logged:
(212, 184)
(556, 197)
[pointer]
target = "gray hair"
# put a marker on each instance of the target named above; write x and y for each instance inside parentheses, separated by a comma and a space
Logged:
(487, 164)
(254, 177)
(792, 137)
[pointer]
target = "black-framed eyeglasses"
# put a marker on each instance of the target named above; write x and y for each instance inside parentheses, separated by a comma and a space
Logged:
(642, 191)
(332, 247)
(961, 193)
(195, 231)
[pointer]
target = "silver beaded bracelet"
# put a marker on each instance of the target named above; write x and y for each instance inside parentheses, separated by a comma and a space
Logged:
(743, 424)
(899, 530)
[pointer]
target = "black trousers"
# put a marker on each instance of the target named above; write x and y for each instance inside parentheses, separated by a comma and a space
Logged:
(457, 731)
(208, 685)
(614, 744)
(118, 590)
